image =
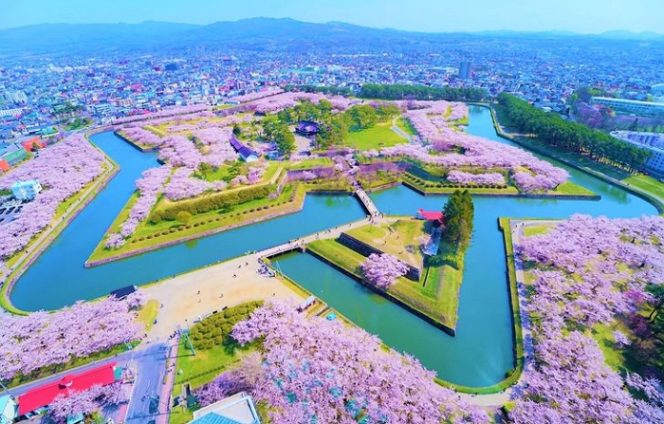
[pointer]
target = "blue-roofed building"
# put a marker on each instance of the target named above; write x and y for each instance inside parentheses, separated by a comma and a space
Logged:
(243, 150)
(236, 409)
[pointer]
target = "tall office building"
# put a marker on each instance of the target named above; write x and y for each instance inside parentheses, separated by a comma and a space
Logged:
(464, 70)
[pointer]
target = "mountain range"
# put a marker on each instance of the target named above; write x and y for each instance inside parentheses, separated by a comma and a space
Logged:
(252, 33)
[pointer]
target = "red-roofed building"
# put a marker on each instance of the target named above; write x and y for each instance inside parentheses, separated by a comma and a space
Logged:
(30, 143)
(71, 383)
(4, 165)
(432, 216)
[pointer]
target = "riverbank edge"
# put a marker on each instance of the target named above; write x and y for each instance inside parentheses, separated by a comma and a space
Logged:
(443, 192)
(106, 178)
(295, 208)
(133, 143)
(653, 200)
(499, 387)
(436, 323)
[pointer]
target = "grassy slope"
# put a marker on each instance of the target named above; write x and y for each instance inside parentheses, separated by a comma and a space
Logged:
(571, 188)
(399, 239)
(405, 126)
(379, 136)
(646, 183)
(148, 313)
(198, 370)
(168, 231)
(436, 295)
(311, 163)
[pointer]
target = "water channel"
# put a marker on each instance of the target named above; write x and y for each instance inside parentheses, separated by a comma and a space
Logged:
(479, 355)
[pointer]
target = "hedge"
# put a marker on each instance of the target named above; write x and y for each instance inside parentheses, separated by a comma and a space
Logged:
(223, 200)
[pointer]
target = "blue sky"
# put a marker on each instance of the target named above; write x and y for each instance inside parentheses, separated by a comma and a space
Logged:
(587, 16)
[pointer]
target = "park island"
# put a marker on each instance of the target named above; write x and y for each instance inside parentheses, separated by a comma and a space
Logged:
(321, 257)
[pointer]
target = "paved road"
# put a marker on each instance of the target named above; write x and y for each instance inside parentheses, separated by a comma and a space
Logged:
(150, 366)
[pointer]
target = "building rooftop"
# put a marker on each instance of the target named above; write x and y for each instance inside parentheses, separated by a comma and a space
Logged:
(45, 394)
(236, 409)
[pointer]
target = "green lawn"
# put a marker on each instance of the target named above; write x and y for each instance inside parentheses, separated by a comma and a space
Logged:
(405, 126)
(148, 313)
(603, 335)
(198, 370)
(311, 163)
(571, 188)
(399, 239)
(535, 230)
(376, 137)
(646, 183)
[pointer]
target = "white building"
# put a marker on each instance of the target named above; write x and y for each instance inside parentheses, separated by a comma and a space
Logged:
(653, 142)
(26, 190)
(636, 107)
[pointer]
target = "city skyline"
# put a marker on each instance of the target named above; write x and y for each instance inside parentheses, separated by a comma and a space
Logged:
(591, 17)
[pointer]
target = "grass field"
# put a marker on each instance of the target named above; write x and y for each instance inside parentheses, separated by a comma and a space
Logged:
(405, 126)
(148, 313)
(646, 183)
(570, 188)
(198, 370)
(535, 230)
(376, 137)
(311, 163)
(399, 239)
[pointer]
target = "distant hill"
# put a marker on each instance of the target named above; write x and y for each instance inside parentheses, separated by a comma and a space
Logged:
(253, 33)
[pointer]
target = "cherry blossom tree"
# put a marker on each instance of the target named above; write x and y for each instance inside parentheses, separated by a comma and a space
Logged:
(63, 170)
(316, 370)
(42, 339)
(149, 186)
(382, 269)
(168, 112)
(587, 271)
(85, 402)
(467, 178)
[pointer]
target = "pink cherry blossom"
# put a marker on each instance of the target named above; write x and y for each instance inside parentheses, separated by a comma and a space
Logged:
(42, 339)
(382, 269)
(317, 370)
